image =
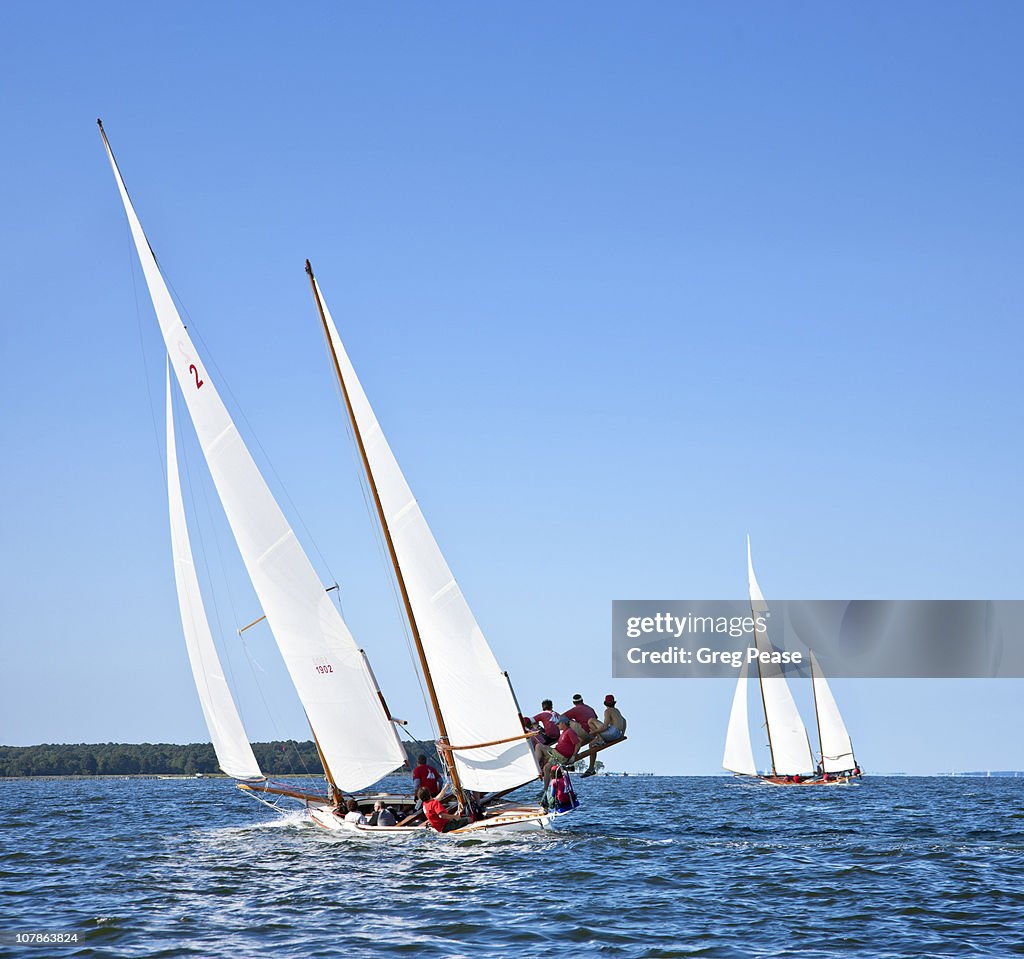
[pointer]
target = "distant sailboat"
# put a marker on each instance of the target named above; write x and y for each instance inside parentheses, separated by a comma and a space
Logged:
(791, 759)
(483, 745)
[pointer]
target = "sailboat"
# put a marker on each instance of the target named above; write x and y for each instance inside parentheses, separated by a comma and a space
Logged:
(789, 746)
(484, 748)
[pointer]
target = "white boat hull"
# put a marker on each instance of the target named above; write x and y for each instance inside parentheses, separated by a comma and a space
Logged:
(816, 781)
(507, 820)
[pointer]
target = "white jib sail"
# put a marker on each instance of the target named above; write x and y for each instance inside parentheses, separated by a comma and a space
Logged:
(739, 755)
(836, 747)
(474, 696)
(791, 751)
(230, 741)
(356, 737)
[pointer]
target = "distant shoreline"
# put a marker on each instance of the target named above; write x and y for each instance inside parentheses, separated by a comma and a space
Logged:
(279, 758)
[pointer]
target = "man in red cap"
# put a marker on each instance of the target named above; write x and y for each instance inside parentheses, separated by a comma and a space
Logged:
(611, 730)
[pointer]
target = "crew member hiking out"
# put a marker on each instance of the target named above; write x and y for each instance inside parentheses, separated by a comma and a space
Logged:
(548, 718)
(610, 730)
(581, 714)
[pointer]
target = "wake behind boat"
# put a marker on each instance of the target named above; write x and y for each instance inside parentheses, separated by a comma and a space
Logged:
(484, 749)
(788, 743)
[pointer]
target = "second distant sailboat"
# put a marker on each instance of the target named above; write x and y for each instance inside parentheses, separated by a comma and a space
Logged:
(792, 763)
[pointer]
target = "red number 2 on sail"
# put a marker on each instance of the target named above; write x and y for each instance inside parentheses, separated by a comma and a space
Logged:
(192, 369)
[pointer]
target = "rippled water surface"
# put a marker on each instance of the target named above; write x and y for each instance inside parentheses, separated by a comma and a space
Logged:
(652, 867)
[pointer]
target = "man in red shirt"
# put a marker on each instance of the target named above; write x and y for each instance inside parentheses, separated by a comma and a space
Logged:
(548, 718)
(581, 714)
(561, 753)
(438, 817)
(425, 777)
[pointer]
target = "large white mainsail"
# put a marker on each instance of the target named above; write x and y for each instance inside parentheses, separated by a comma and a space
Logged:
(473, 693)
(836, 747)
(230, 741)
(358, 742)
(791, 750)
(739, 755)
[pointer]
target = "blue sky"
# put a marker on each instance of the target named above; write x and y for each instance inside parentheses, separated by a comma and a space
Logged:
(624, 284)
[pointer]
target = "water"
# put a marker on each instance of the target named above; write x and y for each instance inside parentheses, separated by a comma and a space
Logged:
(657, 867)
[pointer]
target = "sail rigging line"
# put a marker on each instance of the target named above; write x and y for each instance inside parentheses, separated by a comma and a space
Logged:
(453, 772)
(495, 742)
(160, 452)
(210, 359)
(382, 552)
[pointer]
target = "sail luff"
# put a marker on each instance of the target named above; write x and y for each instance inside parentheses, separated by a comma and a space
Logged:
(739, 754)
(473, 694)
(230, 742)
(323, 660)
(836, 746)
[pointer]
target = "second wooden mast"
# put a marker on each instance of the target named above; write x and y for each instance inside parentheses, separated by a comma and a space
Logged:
(449, 758)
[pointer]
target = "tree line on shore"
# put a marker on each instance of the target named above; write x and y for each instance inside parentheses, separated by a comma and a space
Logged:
(283, 758)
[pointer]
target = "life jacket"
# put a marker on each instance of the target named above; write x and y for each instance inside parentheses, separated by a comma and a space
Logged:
(561, 796)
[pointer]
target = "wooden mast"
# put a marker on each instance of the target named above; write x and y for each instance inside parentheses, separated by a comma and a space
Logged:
(335, 792)
(764, 705)
(442, 729)
(817, 718)
(760, 678)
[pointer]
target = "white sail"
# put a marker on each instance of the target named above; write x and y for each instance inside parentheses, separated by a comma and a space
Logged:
(757, 603)
(356, 737)
(230, 741)
(739, 755)
(791, 751)
(473, 693)
(836, 747)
